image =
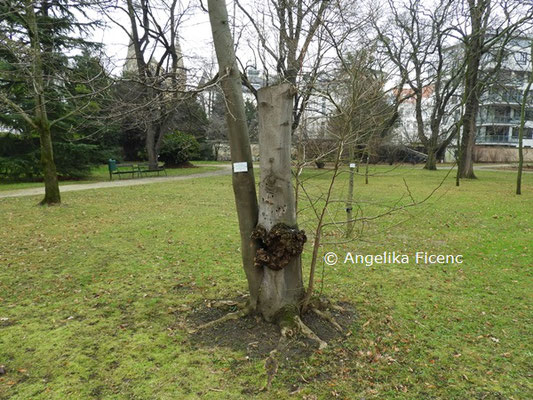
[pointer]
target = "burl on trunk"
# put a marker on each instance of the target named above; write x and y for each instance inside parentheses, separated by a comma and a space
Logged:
(280, 240)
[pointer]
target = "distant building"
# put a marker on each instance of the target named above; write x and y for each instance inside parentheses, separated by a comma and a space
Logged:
(406, 130)
(499, 109)
(257, 80)
(498, 119)
(130, 65)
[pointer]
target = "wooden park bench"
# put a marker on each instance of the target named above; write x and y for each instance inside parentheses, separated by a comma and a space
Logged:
(121, 169)
(145, 169)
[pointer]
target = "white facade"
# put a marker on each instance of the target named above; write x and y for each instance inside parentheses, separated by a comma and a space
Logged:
(499, 114)
(499, 109)
(406, 130)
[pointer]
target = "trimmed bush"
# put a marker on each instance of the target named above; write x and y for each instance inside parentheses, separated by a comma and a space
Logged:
(178, 148)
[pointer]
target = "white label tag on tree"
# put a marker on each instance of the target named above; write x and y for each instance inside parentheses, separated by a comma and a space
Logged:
(352, 165)
(240, 167)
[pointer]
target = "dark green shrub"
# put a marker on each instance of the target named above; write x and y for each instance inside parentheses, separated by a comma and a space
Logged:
(25, 167)
(178, 148)
(20, 158)
(75, 160)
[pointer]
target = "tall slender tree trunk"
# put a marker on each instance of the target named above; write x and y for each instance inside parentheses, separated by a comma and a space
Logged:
(468, 141)
(243, 182)
(51, 184)
(520, 158)
(282, 285)
(525, 95)
(473, 53)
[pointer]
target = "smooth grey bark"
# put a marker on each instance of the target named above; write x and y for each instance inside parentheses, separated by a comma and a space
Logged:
(279, 288)
(243, 182)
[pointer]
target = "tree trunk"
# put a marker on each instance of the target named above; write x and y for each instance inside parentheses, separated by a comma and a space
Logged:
(520, 158)
(51, 185)
(473, 54)
(431, 161)
(282, 285)
(525, 95)
(150, 145)
(243, 182)
(466, 164)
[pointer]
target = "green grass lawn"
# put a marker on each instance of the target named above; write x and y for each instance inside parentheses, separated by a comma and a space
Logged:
(101, 174)
(90, 292)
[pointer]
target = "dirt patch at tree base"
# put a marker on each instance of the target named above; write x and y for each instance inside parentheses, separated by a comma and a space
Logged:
(257, 338)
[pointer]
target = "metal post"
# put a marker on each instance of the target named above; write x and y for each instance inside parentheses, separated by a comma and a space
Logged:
(349, 202)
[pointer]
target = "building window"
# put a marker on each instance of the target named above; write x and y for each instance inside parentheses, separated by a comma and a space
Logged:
(502, 115)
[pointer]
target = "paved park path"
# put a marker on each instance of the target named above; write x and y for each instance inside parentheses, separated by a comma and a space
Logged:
(225, 169)
(500, 168)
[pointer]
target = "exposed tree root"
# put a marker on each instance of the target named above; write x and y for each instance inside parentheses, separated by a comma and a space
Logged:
(337, 308)
(291, 324)
(307, 332)
(227, 303)
(271, 368)
(325, 304)
(228, 317)
(325, 315)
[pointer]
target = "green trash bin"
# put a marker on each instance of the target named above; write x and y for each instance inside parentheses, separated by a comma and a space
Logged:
(112, 165)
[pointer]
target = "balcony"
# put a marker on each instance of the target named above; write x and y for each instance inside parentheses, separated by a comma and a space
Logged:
(514, 97)
(496, 139)
(499, 119)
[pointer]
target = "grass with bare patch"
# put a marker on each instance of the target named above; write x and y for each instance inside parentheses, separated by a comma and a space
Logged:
(95, 294)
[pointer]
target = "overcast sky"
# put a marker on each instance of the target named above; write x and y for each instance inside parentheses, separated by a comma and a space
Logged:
(195, 39)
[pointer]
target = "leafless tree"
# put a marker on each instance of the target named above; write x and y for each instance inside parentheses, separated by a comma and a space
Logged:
(154, 79)
(483, 27)
(360, 114)
(416, 41)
